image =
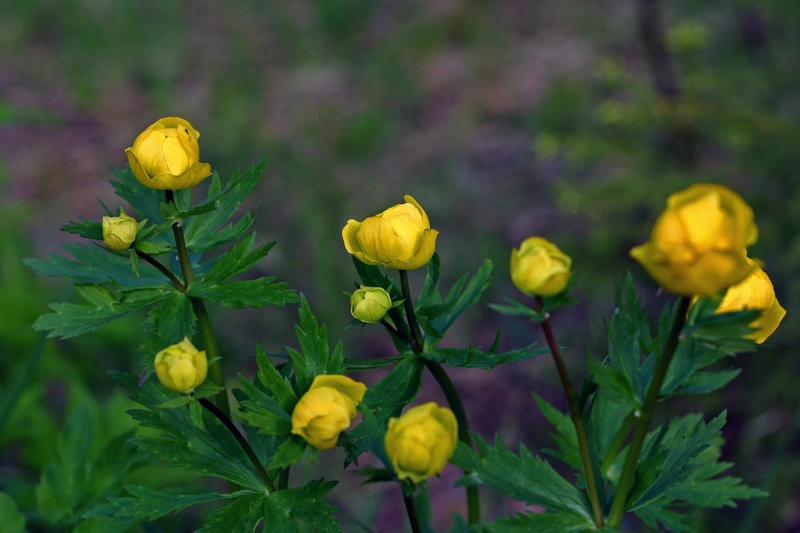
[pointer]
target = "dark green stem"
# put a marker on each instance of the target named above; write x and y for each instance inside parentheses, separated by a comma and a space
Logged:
(216, 371)
(449, 390)
(411, 510)
(628, 473)
(283, 478)
(577, 419)
(618, 442)
(164, 270)
(222, 417)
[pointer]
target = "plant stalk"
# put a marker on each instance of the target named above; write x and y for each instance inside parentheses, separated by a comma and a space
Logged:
(449, 390)
(577, 419)
(164, 270)
(222, 417)
(411, 510)
(628, 473)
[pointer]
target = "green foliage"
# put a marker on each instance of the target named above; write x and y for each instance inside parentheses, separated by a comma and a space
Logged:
(10, 516)
(314, 357)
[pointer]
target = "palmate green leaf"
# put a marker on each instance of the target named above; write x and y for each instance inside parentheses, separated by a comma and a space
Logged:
(147, 201)
(263, 411)
(171, 321)
(284, 507)
(658, 513)
(566, 438)
(210, 451)
(240, 294)
(206, 232)
(241, 515)
(86, 228)
(10, 516)
(314, 357)
(239, 258)
(70, 320)
(528, 522)
(353, 364)
(475, 357)
(274, 382)
(95, 265)
(146, 503)
(524, 477)
(288, 453)
(430, 289)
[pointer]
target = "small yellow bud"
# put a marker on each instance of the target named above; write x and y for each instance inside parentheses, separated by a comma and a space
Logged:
(181, 367)
(327, 409)
(370, 304)
(698, 244)
(421, 441)
(539, 267)
(167, 156)
(119, 232)
(401, 237)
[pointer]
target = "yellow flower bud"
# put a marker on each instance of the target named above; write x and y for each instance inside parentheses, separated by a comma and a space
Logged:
(181, 367)
(421, 441)
(370, 304)
(539, 267)
(167, 156)
(327, 409)
(755, 292)
(698, 245)
(119, 232)
(401, 237)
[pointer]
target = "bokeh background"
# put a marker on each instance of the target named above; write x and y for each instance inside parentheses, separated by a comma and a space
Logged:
(503, 119)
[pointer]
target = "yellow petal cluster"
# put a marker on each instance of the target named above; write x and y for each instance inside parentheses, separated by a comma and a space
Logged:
(421, 441)
(119, 232)
(181, 367)
(401, 237)
(698, 244)
(755, 292)
(167, 156)
(539, 267)
(370, 304)
(327, 409)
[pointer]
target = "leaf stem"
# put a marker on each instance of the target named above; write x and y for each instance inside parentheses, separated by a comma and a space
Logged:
(449, 390)
(628, 473)
(618, 442)
(222, 417)
(283, 478)
(203, 321)
(577, 418)
(164, 270)
(411, 510)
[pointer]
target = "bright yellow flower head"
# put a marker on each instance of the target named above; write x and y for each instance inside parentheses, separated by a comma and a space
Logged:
(327, 409)
(698, 245)
(539, 267)
(370, 304)
(119, 232)
(167, 156)
(421, 441)
(401, 237)
(755, 292)
(181, 367)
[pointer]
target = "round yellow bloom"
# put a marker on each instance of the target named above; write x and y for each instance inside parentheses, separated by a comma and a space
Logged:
(370, 304)
(181, 367)
(327, 409)
(167, 156)
(401, 237)
(539, 267)
(698, 245)
(755, 292)
(119, 232)
(421, 441)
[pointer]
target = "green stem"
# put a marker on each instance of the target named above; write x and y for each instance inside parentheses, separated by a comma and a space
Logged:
(449, 390)
(628, 473)
(283, 478)
(164, 270)
(216, 371)
(222, 417)
(577, 419)
(411, 510)
(618, 442)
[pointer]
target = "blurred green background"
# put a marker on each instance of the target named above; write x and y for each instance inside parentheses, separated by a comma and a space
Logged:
(503, 119)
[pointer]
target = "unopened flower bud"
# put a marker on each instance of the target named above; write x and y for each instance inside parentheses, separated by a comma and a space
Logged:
(370, 304)
(181, 367)
(539, 267)
(327, 409)
(119, 232)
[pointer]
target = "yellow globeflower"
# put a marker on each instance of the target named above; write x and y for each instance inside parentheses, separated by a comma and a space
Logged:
(167, 156)
(755, 292)
(539, 267)
(119, 232)
(421, 441)
(370, 304)
(327, 409)
(401, 237)
(698, 244)
(181, 367)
